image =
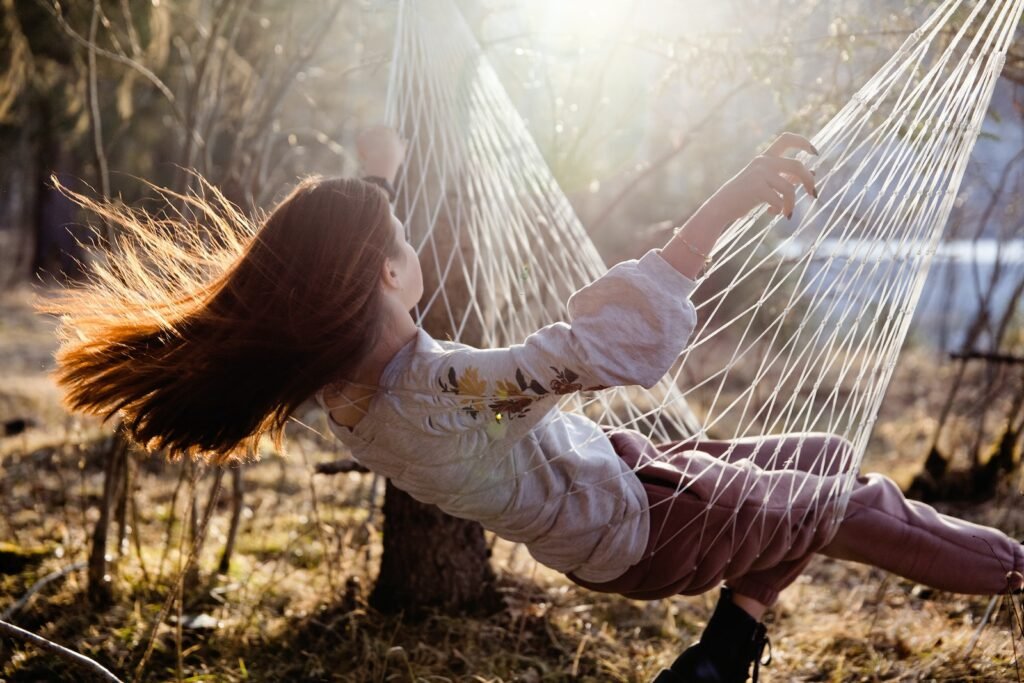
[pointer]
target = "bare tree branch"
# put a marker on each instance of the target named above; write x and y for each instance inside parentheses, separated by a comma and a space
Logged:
(96, 668)
(94, 113)
(1006, 358)
(121, 59)
(663, 159)
(39, 585)
(173, 594)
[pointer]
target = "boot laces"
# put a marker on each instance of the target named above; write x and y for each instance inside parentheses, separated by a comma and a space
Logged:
(760, 641)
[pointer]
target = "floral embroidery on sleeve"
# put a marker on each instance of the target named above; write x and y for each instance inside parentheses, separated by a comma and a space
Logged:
(470, 384)
(512, 399)
(564, 383)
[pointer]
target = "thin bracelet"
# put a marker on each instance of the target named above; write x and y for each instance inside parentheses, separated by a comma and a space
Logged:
(707, 259)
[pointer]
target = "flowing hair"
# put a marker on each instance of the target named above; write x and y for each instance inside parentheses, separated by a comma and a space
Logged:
(205, 329)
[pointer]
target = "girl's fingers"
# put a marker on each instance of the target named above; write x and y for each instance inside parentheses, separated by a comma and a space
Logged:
(790, 141)
(767, 195)
(785, 189)
(778, 166)
(794, 168)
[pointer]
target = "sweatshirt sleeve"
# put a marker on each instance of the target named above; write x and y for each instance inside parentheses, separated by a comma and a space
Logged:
(626, 327)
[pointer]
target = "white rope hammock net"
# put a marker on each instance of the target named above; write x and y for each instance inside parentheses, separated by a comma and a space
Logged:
(798, 340)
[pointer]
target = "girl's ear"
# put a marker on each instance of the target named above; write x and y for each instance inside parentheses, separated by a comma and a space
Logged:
(388, 273)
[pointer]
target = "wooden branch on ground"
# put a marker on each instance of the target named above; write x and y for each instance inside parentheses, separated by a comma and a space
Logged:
(52, 576)
(991, 357)
(236, 518)
(339, 467)
(96, 668)
(179, 582)
(100, 587)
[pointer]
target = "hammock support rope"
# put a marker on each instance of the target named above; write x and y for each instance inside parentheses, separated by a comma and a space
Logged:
(806, 335)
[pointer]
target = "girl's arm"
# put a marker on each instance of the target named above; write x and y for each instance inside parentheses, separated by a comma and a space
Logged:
(627, 327)
(769, 178)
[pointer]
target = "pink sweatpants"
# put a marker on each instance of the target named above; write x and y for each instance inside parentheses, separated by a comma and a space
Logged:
(754, 515)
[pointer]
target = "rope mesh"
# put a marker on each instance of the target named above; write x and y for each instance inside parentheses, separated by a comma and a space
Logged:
(797, 342)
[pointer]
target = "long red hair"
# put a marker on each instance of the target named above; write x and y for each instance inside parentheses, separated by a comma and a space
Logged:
(206, 329)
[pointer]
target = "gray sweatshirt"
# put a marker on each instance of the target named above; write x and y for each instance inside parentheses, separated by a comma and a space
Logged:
(479, 432)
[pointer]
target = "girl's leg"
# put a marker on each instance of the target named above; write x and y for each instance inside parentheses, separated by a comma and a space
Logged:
(749, 605)
(880, 526)
(792, 505)
(813, 452)
(762, 507)
(715, 520)
(712, 519)
(913, 540)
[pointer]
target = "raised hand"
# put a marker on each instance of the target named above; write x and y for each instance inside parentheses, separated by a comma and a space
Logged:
(381, 152)
(769, 179)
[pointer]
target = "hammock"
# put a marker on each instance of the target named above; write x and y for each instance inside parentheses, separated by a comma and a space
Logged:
(797, 341)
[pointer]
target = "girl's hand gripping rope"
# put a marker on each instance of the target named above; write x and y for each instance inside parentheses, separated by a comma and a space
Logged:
(381, 152)
(770, 178)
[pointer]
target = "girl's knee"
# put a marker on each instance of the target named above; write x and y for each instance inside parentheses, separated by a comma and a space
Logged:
(832, 442)
(821, 453)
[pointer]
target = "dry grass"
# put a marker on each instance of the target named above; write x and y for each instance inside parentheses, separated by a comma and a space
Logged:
(293, 605)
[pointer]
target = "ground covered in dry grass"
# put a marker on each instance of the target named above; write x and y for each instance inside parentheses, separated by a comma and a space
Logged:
(293, 604)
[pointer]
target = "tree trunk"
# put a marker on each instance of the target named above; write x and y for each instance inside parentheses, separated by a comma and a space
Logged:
(432, 560)
(55, 249)
(237, 492)
(100, 587)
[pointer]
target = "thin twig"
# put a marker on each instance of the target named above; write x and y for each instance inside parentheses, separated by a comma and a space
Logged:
(168, 531)
(197, 82)
(98, 669)
(215, 488)
(981, 626)
(129, 22)
(52, 576)
(172, 595)
(122, 59)
(316, 516)
(237, 493)
(667, 156)
(137, 538)
(95, 117)
(100, 588)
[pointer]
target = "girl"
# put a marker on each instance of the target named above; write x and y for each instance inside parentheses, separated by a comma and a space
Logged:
(315, 301)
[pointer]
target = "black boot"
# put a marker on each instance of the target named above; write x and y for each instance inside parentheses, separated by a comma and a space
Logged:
(731, 642)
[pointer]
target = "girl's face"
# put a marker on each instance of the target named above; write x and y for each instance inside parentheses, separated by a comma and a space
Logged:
(407, 269)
